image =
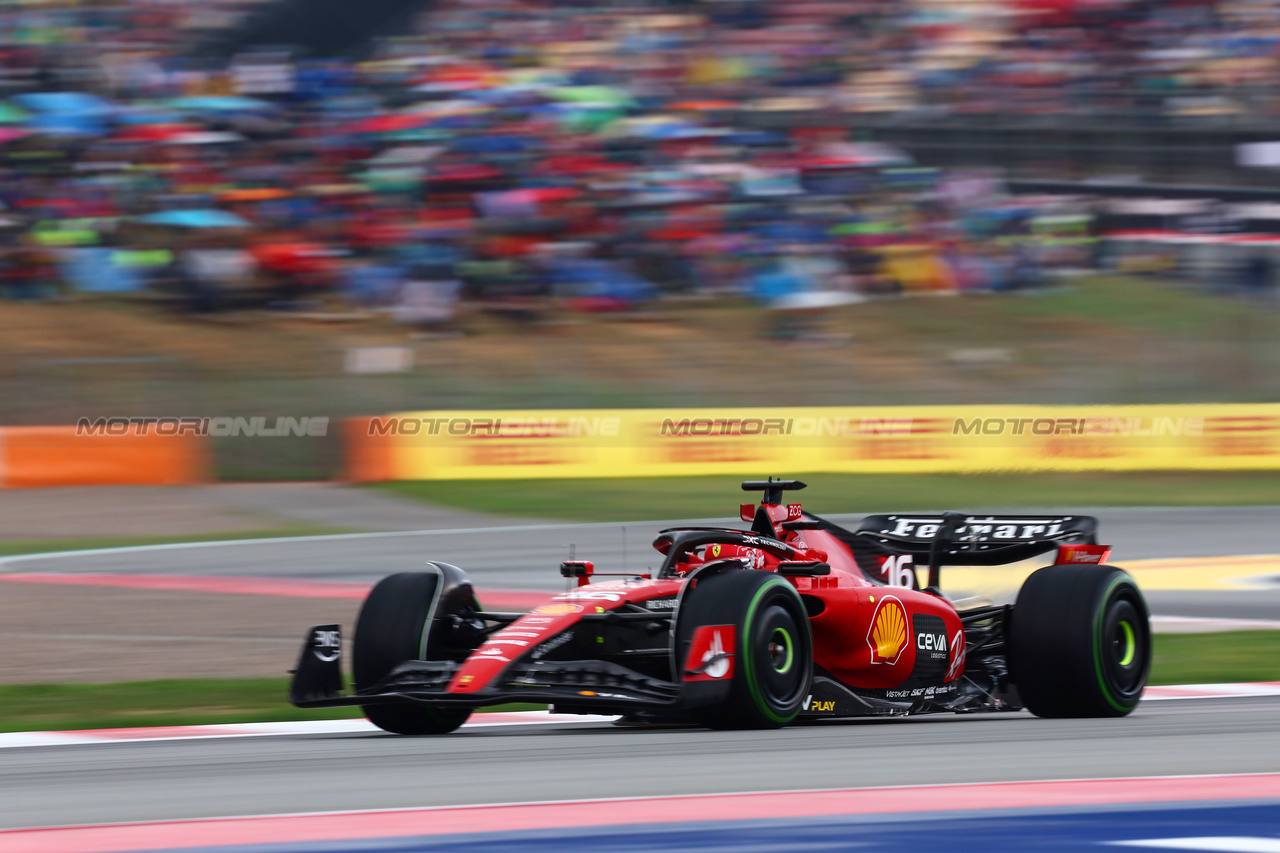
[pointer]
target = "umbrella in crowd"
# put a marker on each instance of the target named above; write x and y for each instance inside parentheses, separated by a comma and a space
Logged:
(207, 137)
(253, 195)
(161, 132)
(9, 114)
(619, 140)
(605, 95)
(65, 103)
(67, 113)
(222, 104)
(211, 218)
(143, 113)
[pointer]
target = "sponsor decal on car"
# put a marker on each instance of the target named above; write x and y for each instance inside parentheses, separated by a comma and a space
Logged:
(935, 644)
(957, 656)
(755, 556)
(980, 529)
(493, 653)
(898, 570)
(551, 645)
(711, 653)
(930, 633)
(887, 635)
(558, 609)
(810, 704)
(1087, 554)
(326, 644)
(661, 604)
(591, 595)
(921, 692)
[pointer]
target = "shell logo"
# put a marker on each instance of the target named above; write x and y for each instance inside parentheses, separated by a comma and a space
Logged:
(558, 609)
(887, 636)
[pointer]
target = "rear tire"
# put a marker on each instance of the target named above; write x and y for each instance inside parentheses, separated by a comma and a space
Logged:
(393, 628)
(773, 660)
(1080, 642)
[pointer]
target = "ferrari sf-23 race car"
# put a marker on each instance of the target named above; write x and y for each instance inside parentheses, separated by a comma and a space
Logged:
(794, 618)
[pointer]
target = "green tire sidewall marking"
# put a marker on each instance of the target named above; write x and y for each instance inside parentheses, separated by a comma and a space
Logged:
(1099, 644)
(753, 685)
(791, 650)
(1130, 647)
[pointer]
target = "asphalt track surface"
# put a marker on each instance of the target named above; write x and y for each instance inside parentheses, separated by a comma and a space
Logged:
(526, 556)
(158, 780)
(183, 779)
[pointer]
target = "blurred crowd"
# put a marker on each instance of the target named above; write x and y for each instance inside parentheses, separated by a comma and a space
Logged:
(517, 153)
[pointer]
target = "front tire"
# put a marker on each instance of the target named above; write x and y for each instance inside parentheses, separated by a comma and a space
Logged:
(773, 660)
(397, 624)
(1080, 642)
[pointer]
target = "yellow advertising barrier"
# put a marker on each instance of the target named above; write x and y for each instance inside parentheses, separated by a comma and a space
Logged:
(448, 445)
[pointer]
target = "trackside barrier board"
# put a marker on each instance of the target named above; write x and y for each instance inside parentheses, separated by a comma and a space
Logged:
(32, 457)
(442, 445)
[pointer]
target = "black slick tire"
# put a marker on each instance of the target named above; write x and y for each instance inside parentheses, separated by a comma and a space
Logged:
(1080, 642)
(773, 658)
(393, 627)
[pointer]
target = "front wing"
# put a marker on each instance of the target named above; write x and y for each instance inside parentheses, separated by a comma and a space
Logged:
(317, 683)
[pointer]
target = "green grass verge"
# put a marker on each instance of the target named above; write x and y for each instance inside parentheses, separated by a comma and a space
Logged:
(1216, 658)
(713, 497)
(42, 546)
(1179, 659)
(48, 707)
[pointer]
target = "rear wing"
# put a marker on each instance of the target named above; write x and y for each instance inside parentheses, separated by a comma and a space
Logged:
(957, 539)
(978, 540)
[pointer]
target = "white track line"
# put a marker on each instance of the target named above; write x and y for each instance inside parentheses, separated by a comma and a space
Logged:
(230, 730)
(1212, 691)
(1220, 844)
(9, 740)
(5, 562)
(1206, 625)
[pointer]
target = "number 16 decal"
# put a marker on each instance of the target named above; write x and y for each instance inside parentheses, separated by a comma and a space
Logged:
(899, 571)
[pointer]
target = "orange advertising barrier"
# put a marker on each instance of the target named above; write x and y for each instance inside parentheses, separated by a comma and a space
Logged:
(56, 456)
(368, 456)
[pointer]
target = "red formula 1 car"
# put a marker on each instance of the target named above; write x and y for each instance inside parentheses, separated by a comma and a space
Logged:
(794, 618)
